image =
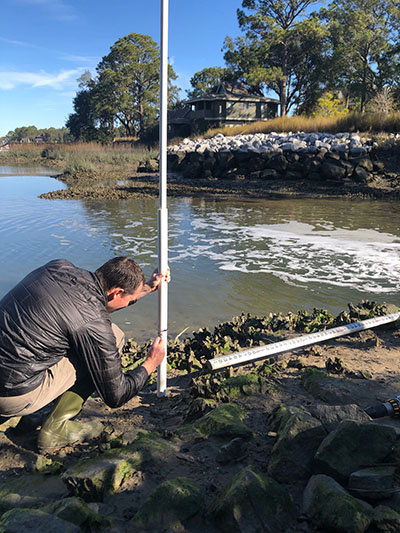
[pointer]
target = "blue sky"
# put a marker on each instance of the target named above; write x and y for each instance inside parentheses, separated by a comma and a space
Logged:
(45, 45)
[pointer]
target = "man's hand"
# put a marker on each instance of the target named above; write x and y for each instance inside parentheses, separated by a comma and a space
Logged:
(157, 278)
(155, 356)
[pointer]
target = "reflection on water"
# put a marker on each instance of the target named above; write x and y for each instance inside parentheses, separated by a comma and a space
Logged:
(226, 257)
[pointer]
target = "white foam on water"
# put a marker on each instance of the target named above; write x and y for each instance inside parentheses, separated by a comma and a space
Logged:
(298, 253)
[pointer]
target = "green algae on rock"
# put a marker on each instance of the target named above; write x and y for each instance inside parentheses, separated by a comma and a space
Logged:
(225, 421)
(252, 502)
(332, 508)
(168, 506)
(351, 445)
(25, 520)
(298, 436)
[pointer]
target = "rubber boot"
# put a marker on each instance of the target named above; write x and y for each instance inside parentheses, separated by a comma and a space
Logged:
(59, 430)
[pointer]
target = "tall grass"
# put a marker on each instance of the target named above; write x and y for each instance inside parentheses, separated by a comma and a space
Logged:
(353, 122)
(90, 157)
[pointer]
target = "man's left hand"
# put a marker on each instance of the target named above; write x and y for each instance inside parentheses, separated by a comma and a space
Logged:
(156, 279)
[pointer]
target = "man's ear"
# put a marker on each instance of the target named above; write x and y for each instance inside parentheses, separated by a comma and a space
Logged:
(113, 293)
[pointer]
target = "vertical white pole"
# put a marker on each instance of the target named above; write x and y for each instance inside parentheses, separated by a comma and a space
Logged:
(163, 211)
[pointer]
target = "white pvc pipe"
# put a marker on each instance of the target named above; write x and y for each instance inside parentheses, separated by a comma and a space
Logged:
(298, 342)
(163, 211)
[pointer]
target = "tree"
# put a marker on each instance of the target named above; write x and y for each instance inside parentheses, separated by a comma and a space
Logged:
(363, 38)
(127, 87)
(281, 50)
(124, 92)
(207, 80)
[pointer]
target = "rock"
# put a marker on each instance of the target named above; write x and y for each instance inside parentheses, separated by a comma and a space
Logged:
(326, 388)
(385, 520)
(245, 385)
(92, 478)
(269, 174)
(76, 511)
(278, 163)
(362, 176)
(366, 163)
(31, 491)
(333, 171)
(351, 445)
(331, 415)
(252, 502)
(150, 165)
(233, 451)
(168, 506)
(28, 520)
(299, 435)
(373, 483)
(226, 421)
(332, 508)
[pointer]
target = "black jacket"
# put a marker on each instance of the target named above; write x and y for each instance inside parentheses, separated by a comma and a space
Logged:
(59, 311)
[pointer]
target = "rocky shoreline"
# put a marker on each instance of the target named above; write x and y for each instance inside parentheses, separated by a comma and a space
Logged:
(275, 445)
(257, 166)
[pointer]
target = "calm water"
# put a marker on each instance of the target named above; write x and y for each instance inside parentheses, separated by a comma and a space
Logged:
(226, 257)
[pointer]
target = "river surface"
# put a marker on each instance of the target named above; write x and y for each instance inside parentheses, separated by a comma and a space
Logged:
(226, 256)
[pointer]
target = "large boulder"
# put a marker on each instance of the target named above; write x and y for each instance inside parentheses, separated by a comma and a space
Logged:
(299, 435)
(351, 445)
(28, 520)
(31, 491)
(331, 508)
(168, 506)
(225, 421)
(252, 502)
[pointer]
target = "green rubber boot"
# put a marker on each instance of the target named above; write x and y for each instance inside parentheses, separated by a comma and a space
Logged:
(59, 430)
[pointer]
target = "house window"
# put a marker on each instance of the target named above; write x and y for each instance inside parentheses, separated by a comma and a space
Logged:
(200, 105)
(246, 105)
(220, 109)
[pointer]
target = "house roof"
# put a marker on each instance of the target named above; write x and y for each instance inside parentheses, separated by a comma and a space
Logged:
(226, 91)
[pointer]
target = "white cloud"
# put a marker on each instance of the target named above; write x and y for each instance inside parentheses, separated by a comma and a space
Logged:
(10, 80)
(56, 9)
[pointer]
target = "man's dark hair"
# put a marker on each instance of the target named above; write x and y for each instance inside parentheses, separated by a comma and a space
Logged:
(121, 272)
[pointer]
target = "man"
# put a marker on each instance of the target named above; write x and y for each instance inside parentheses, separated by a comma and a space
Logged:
(57, 341)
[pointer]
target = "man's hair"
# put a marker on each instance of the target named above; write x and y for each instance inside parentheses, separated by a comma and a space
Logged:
(122, 272)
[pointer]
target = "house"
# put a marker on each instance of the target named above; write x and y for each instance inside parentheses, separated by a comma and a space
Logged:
(227, 106)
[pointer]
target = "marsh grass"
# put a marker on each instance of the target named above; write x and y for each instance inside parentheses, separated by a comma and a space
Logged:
(353, 122)
(80, 157)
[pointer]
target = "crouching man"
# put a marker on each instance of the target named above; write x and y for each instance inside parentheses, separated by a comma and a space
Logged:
(57, 342)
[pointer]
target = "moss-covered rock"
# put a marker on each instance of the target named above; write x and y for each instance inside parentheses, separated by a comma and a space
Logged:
(330, 389)
(75, 510)
(245, 385)
(252, 502)
(299, 435)
(332, 508)
(225, 421)
(91, 478)
(385, 520)
(31, 491)
(169, 506)
(152, 447)
(351, 445)
(28, 520)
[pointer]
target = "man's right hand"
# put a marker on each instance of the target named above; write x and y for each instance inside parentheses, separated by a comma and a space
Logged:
(155, 356)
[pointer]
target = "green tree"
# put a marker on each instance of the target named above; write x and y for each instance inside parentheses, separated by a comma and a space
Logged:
(364, 38)
(282, 49)
(127, 87)
(207, 80)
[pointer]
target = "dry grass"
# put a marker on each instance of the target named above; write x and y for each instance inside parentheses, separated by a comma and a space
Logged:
(82, 157)
(353, 122)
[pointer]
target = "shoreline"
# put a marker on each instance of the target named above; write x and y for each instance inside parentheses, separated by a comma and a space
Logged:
(146, 185)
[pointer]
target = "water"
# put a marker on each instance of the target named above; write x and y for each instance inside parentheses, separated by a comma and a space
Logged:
(226, 257)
